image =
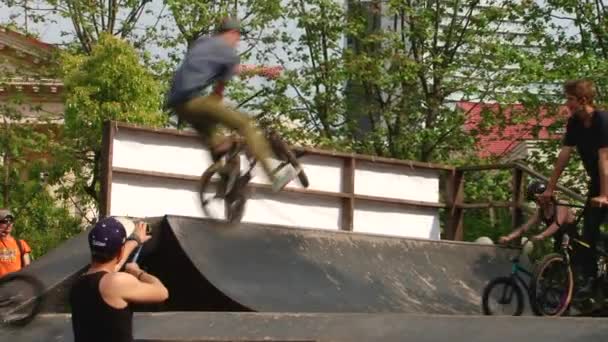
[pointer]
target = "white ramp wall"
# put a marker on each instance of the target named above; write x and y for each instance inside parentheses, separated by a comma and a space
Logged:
(155, 172)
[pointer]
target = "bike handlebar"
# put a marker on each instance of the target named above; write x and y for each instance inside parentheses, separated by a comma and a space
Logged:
(136, 255)
(564, 204)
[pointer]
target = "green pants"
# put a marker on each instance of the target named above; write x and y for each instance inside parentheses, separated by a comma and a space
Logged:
(206, 113)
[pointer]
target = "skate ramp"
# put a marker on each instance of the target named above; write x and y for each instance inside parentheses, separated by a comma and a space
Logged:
(279, 269)
(210, 265)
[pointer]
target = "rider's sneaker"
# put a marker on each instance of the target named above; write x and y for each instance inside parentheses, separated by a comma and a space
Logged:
(283, 177)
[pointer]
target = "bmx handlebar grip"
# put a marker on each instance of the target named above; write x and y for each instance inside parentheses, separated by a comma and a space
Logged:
(136, 255)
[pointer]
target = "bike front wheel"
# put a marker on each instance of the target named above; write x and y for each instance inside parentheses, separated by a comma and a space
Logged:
(228, 196)
(553, 285)
(21, 297)
(502, 296)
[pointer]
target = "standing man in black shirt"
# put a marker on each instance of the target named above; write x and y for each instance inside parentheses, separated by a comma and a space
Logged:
(587, 130)
(101, 298)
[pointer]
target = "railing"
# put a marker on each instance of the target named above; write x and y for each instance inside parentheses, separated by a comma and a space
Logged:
(454, 229)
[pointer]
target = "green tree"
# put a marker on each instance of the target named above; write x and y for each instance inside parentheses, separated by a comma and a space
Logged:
(29, 172)
(108, 84)
(91, 19)
(390, 92)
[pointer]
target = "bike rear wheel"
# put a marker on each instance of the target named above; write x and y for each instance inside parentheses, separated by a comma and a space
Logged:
(553, 285)
(21, 298)
(229, 196)
(506, 293)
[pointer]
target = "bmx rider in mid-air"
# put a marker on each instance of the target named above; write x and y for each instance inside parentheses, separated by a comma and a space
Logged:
(214, 60)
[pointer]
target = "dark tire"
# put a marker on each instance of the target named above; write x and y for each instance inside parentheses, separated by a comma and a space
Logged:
(21, 298)
(283, 152)
(235, 209)
(552, 297)
(532, 300)
(531, 296)
(205, 185)
(232, 188)
(505, 290)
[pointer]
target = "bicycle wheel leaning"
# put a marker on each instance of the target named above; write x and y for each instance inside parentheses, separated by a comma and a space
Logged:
(506, 293)
(553, 285)
(21, 298)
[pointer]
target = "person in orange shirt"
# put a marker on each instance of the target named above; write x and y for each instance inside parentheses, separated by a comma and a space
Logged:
(14, 254)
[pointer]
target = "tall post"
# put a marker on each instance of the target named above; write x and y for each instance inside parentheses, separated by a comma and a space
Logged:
(455, 196)
(517, 213)
(348, 187)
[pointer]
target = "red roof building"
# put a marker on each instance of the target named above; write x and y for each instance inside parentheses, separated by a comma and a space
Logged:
(513, 127)
(26, 72)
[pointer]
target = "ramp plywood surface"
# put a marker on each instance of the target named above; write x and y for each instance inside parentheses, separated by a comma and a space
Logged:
(278, 269)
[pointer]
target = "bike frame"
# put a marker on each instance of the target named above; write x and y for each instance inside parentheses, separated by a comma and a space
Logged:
(567, 246)
(567, 240)
(516, 269)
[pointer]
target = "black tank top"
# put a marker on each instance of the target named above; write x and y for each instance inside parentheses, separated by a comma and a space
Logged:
(93, 320)
(549, 221)
(564, 227)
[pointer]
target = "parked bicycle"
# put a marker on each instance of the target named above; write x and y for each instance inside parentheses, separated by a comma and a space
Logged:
(507, 291)
(558, 277)
(232, 189)
(21, 298)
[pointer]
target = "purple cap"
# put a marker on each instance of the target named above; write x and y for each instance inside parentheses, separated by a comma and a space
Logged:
(107, 237)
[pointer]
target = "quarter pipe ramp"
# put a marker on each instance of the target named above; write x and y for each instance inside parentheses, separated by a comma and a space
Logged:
(278, 269)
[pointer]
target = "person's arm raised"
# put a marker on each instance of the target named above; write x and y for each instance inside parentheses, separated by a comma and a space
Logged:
(138, 286)
(140, 233)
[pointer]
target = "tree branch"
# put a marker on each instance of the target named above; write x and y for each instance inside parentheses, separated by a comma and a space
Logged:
(81, 33)
(129, 24)
(90, 189)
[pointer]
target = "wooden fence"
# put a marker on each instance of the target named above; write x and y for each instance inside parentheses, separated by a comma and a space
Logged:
(456, 205)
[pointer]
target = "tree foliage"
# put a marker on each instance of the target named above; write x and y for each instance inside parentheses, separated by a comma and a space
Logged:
(90, 20)
(28, 172)
(108, 84)
(391, 90)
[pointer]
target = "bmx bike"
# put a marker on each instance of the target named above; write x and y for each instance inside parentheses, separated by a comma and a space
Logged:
(21, 298)
(232, 189)
(558, 276)
(507, 290)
